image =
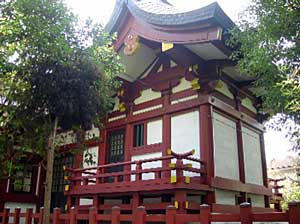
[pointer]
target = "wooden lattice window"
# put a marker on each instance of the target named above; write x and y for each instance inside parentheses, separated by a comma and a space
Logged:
(23, 179)
(139, 131)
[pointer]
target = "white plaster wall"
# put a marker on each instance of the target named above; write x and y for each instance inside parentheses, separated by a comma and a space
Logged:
(147, 95)
(154, 132)
(185, 136)
(65, 138)
(23, 206)
(184, 84)
(252, 156)
(225, 197)
(225, 147)
(146, 176)
(92, 133)
(85, 201)
(257, 200)
(94, 151)
(246, 102)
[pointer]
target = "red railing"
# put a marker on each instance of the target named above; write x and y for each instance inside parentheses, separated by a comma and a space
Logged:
(103, 175)
(140, 216)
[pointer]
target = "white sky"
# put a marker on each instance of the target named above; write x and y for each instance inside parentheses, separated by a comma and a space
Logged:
(100, 10)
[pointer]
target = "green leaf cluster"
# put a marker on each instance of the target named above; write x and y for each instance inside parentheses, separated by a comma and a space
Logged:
(267, 47)
(51, 66)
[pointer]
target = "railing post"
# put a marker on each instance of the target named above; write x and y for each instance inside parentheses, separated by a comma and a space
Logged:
(5, 216)
(294, 212)
(179, 171)
(72, 216)
(115, 215)
(17, 215)
(92, 215)
(170, 214)
(28, 216)
(41, 216)
(55, 218)
(245, 212)
(204, 214)
(138, 169)
(139, 214)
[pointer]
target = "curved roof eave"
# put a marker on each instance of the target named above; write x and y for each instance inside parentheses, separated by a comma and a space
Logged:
(167, 15)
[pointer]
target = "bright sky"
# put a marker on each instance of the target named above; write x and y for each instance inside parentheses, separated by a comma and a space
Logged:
(100, 10)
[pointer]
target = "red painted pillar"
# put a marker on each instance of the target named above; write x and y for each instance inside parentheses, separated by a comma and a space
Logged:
(204, 214)
(115, 215)
(17, 216)
(92, 215)
(41, 215)
(245, 211)
(5, 216)
(28, 216)
(56, 213)
(139, 214)
(241, 157)
(73, 216)
(166, 135)
(206, 146)
(264, 167)
(170, 215)
(294, 212)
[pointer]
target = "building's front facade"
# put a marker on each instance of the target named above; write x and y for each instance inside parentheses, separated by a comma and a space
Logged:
(180, 92)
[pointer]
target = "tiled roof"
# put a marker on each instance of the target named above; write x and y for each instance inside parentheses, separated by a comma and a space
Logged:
(160, 13)
(284, 163)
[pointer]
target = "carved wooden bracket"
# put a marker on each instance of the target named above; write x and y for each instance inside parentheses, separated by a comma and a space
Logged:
(131, 44)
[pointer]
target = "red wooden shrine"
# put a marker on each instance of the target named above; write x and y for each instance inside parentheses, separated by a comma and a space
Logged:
(185, 128)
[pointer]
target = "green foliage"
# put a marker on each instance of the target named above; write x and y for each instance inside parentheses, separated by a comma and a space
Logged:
(51, 66)
(267, 43)
(292, 194)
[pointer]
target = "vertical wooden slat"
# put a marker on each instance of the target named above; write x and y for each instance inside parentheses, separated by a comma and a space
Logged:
(56, 213)
(115, 215)
(245, 211)
(294, 212)
(41, 216)
(28, 216)
(92, 215)
(17, 216)
(73, 216)
(139, 214)
(170, 214)
(5, 216)
(204, 214)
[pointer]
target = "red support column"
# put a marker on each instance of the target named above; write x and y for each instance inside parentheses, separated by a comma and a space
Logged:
(166, 135)
(245, 211)
(28, 216)
(206, 146)
(5, 216)
(204, 214)
(73, 216)
(17, 216)
(180, 199)
(115, 215)
(56, 213)
(241, 157)
(170, 215)
(41, 216)
(139, 214)
(92, 215)
(294, 212)
(128, 147)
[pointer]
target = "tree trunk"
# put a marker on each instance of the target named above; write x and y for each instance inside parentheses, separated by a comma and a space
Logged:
(49, 173)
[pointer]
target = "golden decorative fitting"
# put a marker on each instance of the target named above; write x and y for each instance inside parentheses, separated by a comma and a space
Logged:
(66, 207)
(122, 107)
(172, 165)
(189, 165)
(193, 151)
(166, 46)
(64, 168)
(173, 180)
(176, 204)
(186, 204)
(131, 44)
(187, 180)
(67, 187)
(66, 178)
(169, 152)
(120, 92)
(195, 84)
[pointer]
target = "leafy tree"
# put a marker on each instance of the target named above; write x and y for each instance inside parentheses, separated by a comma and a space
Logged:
(54, 72)
(267, 47)
(291, 194)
